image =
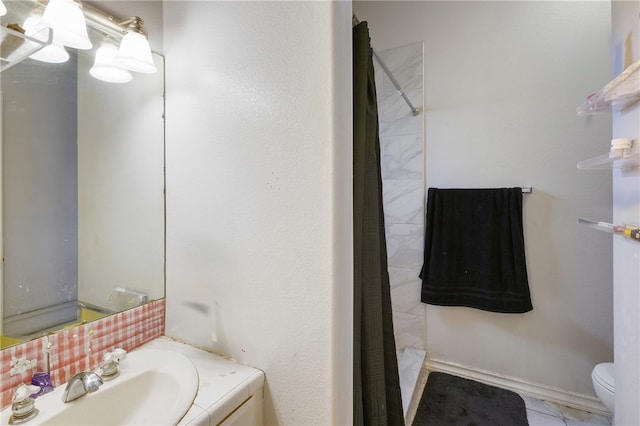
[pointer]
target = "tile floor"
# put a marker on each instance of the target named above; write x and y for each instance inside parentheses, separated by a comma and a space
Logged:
(543, 413)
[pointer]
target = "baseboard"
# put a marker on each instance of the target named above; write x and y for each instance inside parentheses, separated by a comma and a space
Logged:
(558, 396)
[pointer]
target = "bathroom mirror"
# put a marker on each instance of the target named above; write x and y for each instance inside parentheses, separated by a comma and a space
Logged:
(82, 191)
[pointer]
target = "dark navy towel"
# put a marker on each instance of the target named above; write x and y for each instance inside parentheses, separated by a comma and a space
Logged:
(474, 250)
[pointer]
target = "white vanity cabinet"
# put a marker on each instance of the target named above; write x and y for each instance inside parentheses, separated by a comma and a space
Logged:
(249, 413)
(229, 394)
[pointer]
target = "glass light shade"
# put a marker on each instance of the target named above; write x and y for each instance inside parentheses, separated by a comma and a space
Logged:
(135, 54)
(3, 9)
(66, 20)
(105, 69)
(53, 53)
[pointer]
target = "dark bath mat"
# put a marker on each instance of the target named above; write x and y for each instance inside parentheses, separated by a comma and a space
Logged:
(453, 401)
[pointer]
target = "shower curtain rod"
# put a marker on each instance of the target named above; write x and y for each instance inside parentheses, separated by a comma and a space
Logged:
(414, 111)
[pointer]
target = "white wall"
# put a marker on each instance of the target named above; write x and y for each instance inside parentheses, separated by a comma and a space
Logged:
(626, 210)
(259, 260)
(502, 84)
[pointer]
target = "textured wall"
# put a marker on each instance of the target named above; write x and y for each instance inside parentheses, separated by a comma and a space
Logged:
(258, 194)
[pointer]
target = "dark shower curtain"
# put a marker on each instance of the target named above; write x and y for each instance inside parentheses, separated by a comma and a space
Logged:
(376, 388)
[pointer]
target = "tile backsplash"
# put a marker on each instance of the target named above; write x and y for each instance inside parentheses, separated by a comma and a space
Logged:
(81, 348)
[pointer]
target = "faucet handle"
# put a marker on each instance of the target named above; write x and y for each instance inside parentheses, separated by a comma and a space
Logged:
(23, 407)
(23, 392)
(109, 365)
(119, 354)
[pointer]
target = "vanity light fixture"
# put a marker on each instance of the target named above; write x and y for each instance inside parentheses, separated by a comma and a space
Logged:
(53, 53)
(67, 21)
(104, 67)
(135, 53)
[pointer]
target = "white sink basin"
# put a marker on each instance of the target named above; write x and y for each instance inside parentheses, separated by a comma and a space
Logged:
(155, 387)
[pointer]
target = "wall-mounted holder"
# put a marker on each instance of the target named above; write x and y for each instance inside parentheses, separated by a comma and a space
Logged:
(16, 47)
(619, 93)
(624, 154)
(630, 232)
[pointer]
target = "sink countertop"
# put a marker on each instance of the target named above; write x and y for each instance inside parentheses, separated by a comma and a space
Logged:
(223, 384)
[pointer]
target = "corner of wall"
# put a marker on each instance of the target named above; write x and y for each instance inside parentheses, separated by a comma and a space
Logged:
(342, 333)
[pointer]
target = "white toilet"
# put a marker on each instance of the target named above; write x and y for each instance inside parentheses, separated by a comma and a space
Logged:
(604, 384)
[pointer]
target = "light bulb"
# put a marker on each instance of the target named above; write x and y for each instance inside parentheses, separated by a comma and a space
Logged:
(135, 53)
(54, 54)
(67, 21)
(104, 67)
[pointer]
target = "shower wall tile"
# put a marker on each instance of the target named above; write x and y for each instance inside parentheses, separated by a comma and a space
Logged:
(394, 105)
(405, 291)
(405, 245)
(395, 116)
(402, 162)
(406, 63)
(402, 157)
(380, 77)
(403, 201)
(408, 330)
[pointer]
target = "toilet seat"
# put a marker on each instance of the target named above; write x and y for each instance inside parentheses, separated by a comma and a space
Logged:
(603, 374)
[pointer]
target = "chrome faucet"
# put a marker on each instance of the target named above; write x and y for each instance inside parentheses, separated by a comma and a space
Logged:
(80, 385)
